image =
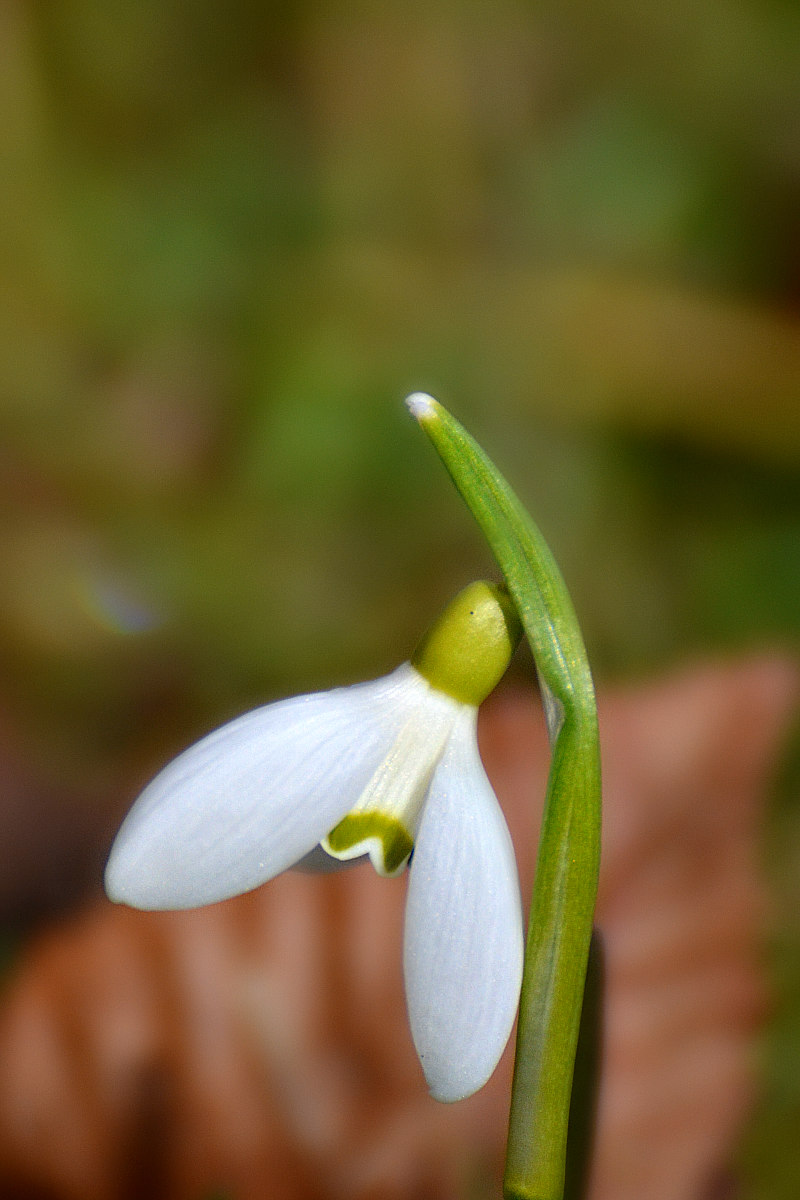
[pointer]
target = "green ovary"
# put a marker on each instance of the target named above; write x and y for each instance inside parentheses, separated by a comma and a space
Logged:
(353, 830)
(467, 649)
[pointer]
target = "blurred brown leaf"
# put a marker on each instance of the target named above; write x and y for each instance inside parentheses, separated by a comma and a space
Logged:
(50, 833)
(259, 1047)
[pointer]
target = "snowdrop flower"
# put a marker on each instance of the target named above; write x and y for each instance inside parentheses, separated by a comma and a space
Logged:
(382, 769)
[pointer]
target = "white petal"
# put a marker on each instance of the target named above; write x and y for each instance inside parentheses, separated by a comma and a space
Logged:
(256, 795)
(463, 934)
(384, 820)
(319, 862)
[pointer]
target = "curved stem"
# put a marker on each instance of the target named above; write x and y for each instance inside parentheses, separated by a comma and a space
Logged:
(562, 906)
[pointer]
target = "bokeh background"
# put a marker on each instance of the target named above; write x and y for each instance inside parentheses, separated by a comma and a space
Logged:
(232, 238)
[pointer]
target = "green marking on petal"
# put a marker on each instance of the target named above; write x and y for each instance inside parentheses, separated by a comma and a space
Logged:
(357, 828)
(467, 649)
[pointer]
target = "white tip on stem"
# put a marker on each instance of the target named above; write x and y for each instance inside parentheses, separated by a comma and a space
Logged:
(421, 405)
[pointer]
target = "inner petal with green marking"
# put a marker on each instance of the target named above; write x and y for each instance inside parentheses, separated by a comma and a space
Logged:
(359, 832)
(384, 820)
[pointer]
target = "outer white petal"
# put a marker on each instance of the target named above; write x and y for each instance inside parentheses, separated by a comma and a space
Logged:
(256, 795)
(463, 933)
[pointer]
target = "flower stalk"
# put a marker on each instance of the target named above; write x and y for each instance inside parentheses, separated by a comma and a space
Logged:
(562, 906)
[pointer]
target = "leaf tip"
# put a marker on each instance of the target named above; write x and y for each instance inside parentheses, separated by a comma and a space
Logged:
(421, 406)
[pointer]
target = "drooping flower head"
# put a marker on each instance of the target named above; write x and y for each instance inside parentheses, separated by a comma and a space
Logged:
(384, 769)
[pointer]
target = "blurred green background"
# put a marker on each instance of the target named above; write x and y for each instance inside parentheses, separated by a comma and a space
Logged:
(232, 238)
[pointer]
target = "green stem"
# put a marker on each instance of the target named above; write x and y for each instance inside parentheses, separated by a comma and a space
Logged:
(562, 907)
(585, 1083)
